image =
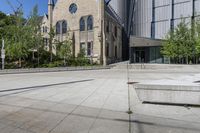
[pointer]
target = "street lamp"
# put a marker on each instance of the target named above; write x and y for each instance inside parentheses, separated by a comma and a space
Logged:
(2, 54)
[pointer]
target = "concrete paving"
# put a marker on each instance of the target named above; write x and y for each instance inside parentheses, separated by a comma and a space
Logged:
(93, 101)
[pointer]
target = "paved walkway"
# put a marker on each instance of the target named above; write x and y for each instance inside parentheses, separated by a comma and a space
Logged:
(87, 102)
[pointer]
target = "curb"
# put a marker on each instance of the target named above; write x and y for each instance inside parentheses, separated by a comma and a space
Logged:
(44, 70)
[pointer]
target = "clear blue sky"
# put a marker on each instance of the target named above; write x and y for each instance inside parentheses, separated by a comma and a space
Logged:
(27, 6)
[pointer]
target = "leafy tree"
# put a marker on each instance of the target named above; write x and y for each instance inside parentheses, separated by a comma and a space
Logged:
(5, 21)
(197, 38)
(65, 50)
(179, 43)
(16, 47)
(184, 41)
(3, 18)
(169, 48)
(198, 46)
(82, 54)
(34, 23)
(17, 39)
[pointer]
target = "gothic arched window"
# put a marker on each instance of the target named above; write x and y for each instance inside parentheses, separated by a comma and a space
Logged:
(90, 23)
(58, 28)
(64, 27)
(115, 31)
(82, 24)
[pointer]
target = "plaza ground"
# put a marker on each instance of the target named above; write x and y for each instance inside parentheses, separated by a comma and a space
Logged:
(94, 101)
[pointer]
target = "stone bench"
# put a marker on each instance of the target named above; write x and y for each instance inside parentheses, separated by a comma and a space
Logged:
(168, 94)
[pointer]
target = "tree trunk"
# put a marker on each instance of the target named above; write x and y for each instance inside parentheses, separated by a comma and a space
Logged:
(187, 60)
(51, 58)
(38, 59)
(50, 50)
(64, 61)
(20, 62)
(33, 57)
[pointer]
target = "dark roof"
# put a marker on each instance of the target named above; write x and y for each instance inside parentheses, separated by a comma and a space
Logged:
(107, 1)
(113, 14)
(51, 2)
(40, 18)
(46, 15)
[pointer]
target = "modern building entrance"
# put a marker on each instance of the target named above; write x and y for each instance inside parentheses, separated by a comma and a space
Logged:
(140, 55)
(145, 50)
(146, 55)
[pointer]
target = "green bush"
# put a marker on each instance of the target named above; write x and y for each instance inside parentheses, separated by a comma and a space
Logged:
(45, 62)
(78, 62)
(11, 66)
(53, 64)
(45, 57)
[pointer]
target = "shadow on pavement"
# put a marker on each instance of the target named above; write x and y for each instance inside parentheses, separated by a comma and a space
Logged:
(25, 89)
(176, 124)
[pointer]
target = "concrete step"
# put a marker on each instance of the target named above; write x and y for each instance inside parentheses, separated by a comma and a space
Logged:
(168, 94)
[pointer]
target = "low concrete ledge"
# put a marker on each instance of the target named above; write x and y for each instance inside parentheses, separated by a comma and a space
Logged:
(170, 94)
(157, 66)
(57, 69)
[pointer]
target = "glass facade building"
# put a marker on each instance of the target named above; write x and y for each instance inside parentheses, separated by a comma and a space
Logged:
(153, 19)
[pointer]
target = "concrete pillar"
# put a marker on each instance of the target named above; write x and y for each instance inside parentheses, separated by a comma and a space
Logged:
(172, 15)
(193, 11)
(102, 40)
(153, 20)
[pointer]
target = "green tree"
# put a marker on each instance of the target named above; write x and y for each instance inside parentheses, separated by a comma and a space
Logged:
(197, 46)
(17, 39)
(3, 18)
(5, 21)
(81, 54)
(65, 50)
(197, 38)
(169, 48)
(34, 23)
(179, 43)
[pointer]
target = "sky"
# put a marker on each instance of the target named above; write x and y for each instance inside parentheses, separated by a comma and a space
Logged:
(27, 6)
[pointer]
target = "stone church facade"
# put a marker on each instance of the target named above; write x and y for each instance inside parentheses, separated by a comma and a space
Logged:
(90, 24)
